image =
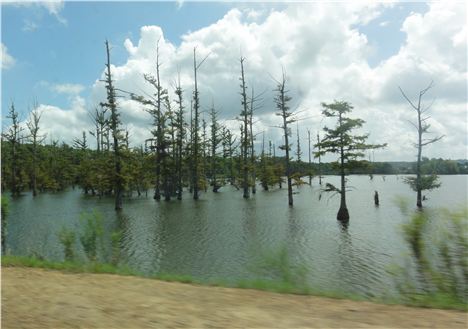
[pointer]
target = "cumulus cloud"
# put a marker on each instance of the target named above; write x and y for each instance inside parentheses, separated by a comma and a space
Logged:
(325, 57)
(7, 61)
(65, 124)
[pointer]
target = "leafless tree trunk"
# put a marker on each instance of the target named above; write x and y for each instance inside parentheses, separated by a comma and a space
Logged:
(245, 135)
(422, 127)
(36, 139)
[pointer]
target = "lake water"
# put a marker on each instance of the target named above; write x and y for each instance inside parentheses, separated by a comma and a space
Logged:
(223, 236)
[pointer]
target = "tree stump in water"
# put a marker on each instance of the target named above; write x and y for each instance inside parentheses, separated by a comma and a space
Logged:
(376, 198)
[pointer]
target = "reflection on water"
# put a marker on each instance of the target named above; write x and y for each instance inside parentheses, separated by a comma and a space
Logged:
(223, 236)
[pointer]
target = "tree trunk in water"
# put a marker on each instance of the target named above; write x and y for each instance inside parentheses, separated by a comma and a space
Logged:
(418, 164)
(195, 130)
(245, 139)
(114, 125)
(343, 214)
(34, 178)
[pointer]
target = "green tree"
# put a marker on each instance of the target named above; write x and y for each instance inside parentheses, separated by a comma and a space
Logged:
(154, 106)
(349, 147)
(229, 142)
(180, 136)
(195, 126)
(214, 141)
(114, 125)
(14, 135)
(266, 170)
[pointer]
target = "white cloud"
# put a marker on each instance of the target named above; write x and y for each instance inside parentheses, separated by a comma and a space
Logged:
(54, 7)
(67, 88)
(7, 61)
(325, 58)
(29, 26)
(65, 124)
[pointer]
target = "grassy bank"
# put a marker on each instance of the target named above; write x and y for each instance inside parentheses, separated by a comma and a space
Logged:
(433, 301)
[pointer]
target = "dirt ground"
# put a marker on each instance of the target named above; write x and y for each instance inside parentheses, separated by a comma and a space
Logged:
(35, 298)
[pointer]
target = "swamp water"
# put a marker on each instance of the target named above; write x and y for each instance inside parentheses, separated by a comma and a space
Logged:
(223, 236)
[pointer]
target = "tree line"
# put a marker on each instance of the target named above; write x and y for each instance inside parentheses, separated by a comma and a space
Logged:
(187, 152)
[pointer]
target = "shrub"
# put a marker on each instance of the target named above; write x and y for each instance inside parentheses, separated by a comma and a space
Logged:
(440, 257)
(67, 239)
(92, 233)
(116, 237)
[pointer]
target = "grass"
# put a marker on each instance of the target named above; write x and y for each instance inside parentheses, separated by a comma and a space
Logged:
(67, 266)
(434, 301)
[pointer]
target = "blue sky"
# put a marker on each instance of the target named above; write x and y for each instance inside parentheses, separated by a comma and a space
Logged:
(74, 52)
(54, 53)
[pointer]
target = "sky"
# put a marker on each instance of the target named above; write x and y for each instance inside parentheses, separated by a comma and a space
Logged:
(53, 53)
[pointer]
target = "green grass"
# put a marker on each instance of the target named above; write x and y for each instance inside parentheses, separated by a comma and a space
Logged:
(433, 301)
(66, 266)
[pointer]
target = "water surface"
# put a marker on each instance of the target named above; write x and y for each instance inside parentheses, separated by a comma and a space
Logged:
(223, 236)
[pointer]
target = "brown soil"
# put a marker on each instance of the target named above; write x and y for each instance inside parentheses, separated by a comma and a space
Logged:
(35, 298)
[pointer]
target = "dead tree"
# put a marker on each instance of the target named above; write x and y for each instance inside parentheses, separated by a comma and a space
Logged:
(421, 182)
(282, 100)
(245, 134)
(36, 139)
(310, 158)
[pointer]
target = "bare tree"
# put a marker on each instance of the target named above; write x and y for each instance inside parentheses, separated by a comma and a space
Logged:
(245, 134)
(421, 182)
(36, 139)
(101, 126)
(298, 149)
(282, 99)
(319, 158)
(310, 157)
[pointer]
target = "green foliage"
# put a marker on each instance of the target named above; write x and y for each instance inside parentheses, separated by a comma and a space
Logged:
(116, 238)
(283, 275)
(92, 234)
(349, 147)
(426, 182)
(69, 266)
(440, 255)
(340, 140)
(67, 239)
